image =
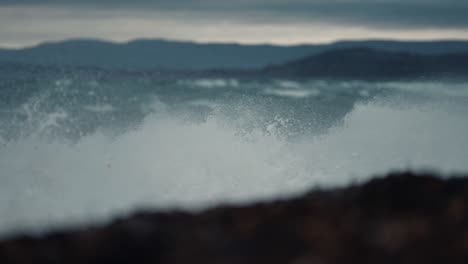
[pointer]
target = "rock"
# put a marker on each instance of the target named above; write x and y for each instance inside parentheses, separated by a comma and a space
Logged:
(401, 218)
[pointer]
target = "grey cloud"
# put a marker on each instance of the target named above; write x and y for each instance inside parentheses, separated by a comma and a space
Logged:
(369, 13)
(379, 13)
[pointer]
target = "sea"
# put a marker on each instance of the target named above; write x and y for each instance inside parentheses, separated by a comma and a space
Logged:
(83, 146)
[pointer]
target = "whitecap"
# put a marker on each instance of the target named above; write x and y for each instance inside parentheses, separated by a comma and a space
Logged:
(215, 83)
(292, 93)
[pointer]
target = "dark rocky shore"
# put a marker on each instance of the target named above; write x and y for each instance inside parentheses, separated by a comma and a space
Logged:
(401, 218)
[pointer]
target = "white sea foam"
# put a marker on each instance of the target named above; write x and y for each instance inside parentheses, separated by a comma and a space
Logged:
(292, 93)
(167, 161)
(52, 120)
(287, 84)
(215, 83)
(103, 108)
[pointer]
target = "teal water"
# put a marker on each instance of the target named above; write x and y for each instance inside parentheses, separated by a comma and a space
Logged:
(85, 145)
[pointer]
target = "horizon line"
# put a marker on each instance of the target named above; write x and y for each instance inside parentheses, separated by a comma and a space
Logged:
(239, 43)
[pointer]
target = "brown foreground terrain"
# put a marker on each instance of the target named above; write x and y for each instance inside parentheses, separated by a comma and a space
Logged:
(401, 218)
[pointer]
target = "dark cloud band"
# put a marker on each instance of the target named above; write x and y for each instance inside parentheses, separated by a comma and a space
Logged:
(375, 13)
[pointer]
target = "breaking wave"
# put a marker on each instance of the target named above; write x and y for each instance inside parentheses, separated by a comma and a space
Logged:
(168, 160)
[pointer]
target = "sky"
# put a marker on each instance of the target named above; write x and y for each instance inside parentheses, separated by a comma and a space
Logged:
(284, 22)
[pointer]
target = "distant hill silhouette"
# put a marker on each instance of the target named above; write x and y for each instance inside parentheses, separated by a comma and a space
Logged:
(367, 63)
(162, 54)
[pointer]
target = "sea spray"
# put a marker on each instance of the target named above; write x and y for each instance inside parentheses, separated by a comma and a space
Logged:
(79, 160)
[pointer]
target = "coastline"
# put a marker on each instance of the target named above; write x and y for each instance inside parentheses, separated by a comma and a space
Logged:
(400, 218)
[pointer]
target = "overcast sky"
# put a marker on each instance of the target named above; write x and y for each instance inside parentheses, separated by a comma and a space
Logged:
(28, 22)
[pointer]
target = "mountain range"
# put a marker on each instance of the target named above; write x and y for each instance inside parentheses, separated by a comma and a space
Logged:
(174, 55)
(368, 63)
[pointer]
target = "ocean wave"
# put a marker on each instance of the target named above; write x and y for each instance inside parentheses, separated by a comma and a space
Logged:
(168, 161)
(212, 83)
(292, 93)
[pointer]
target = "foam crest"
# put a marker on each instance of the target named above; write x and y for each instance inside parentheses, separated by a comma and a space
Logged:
(163, 162)
(168, 161)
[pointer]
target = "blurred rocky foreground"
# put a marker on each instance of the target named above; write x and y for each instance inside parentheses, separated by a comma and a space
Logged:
(401, 218)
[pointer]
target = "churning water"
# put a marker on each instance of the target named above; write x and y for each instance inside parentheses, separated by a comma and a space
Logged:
(83, 146)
